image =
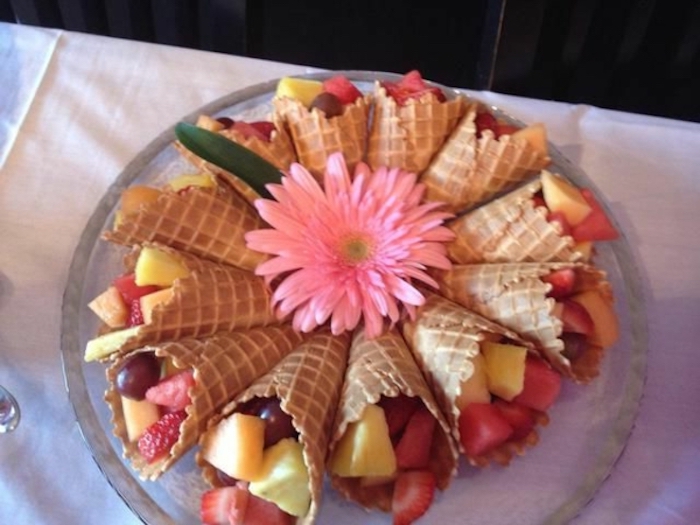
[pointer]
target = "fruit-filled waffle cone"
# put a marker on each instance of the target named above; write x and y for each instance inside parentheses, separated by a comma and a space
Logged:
(278, 151)
(523, 298)
(407, 136)
(469, 168)
(445, 339)
(378, 368)
(211, 298)
(511, 228)
(307, 383)
(196, 221)
(315, 136)
(222, 366)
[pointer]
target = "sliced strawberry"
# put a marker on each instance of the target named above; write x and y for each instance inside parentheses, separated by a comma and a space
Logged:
(135, 314)
(538, 201)
(129, 290)
(160, 437)
(562, 282)
(413, 449)
(559, 217)
(342, 88)
(519, 417)
(248, 130)
(223, 506)
(414, 491)
(265, 512)
(397, 411)
(173, 391)
(411, 86)
(576, 318)
(541, 386)
(482, 428)
(505, 129)
(265, 128)
(596, 226)
(485, 120)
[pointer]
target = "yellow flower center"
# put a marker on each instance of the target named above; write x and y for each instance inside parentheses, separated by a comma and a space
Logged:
(355, 249)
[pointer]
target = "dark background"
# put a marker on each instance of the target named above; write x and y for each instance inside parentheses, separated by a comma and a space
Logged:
(633, 55)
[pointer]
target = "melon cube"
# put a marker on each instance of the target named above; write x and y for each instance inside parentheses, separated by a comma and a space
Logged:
(606, 329)
(150, 301)
(535, 135)
(110, 307)
(138, 416)
(560, 196)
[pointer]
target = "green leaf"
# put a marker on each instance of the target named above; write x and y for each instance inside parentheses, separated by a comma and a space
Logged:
(226, 154)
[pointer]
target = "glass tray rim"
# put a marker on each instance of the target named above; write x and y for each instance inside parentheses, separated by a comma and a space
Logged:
(111, 466)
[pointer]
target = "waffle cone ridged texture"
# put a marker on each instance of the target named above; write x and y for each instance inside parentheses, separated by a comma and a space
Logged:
(213, 298)
(408, 136)
(279, 152)
(510, 229)
(468, 170)
(315, 137)
(197, 221)
(378, 367)
(307, 382)
(223, 366)
(515, 296)
(445, 338)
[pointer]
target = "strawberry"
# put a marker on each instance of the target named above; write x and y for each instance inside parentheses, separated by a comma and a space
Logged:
(260, 512)
(538, 201)
(129, 290)
(413, 450)
(342, 88)
(485, 120)
(414, 491)
(160, 437)
(519, 417)
(562, 282)
(397, 411)
(173, 391)
(249, 130)
(576, 318)
(482, 428)
(135, 314)
(264, 127)
(411, 86)
(223, 505)
(596, 226)
(560, 217)
(541, 386)
(505, 129)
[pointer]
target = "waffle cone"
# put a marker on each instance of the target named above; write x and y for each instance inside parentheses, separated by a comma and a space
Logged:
(510, 229)
(223, 366)
(307, 382)
(279, 152)
(469, 169)
(213, 298)
(408, 136)
(196, 221)
(515, 296)
(445, 338)
(384, 367)
(315, 137)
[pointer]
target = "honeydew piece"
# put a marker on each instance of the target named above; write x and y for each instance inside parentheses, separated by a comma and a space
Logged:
(198, 180)
(209, 123)
(606, 329)
(302, 89)
(505, 369)
(365, 449)
(110, 307)
(235, 446)
(475, 389)
(150, 301)
(138, 416)
(535, 135)
(560, 196)
(104, 345)
(156, 267)
(284, 478)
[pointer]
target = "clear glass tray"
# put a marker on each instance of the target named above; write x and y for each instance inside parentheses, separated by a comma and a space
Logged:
(550, 484)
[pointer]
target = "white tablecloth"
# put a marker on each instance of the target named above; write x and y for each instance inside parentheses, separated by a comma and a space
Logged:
(74, 109)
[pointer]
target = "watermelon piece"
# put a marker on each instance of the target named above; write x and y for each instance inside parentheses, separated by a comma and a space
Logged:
(413, 449)
(409, 87)
(596, 226)
(172, 392)
(482, 428)
(576, 318)
(519, 417)
(253, 129)
(129, 290)
(541, 386)
(342, 88)
(485, 120)
(397, 411)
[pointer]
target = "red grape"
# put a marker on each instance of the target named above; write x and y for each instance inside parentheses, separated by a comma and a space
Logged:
(278, 425)
(138, 373)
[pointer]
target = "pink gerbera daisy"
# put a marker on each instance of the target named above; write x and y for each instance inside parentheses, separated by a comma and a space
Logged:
(352, 250)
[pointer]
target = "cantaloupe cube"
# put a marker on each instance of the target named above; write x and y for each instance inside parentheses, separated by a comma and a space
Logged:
(157, 267)
(138, 416)
(606, 328)
(235, 446)
(302, 89)
(505, 369)
(150, 301)
(535, 135)
(475, 389)
(563, 197)
(110, 307)
(365, 449)
(133, 197)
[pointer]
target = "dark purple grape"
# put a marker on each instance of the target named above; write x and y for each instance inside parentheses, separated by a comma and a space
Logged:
(278, 425)
(574, 345)
(139, 373)
(329, 104)
(225, 121)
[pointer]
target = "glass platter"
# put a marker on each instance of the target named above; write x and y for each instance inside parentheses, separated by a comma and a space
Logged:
(550, 484)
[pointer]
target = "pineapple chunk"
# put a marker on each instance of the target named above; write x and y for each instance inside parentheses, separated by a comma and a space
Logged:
(109, 306)
(199, 180)
(284, 478)
(365, 449)
(605, 325)
(505, 369)
(563, 197)
(301, 89)
(106, 344)
(235, 446)
(138, 416)
(475, 389)
(159, 268)
(150, 301)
